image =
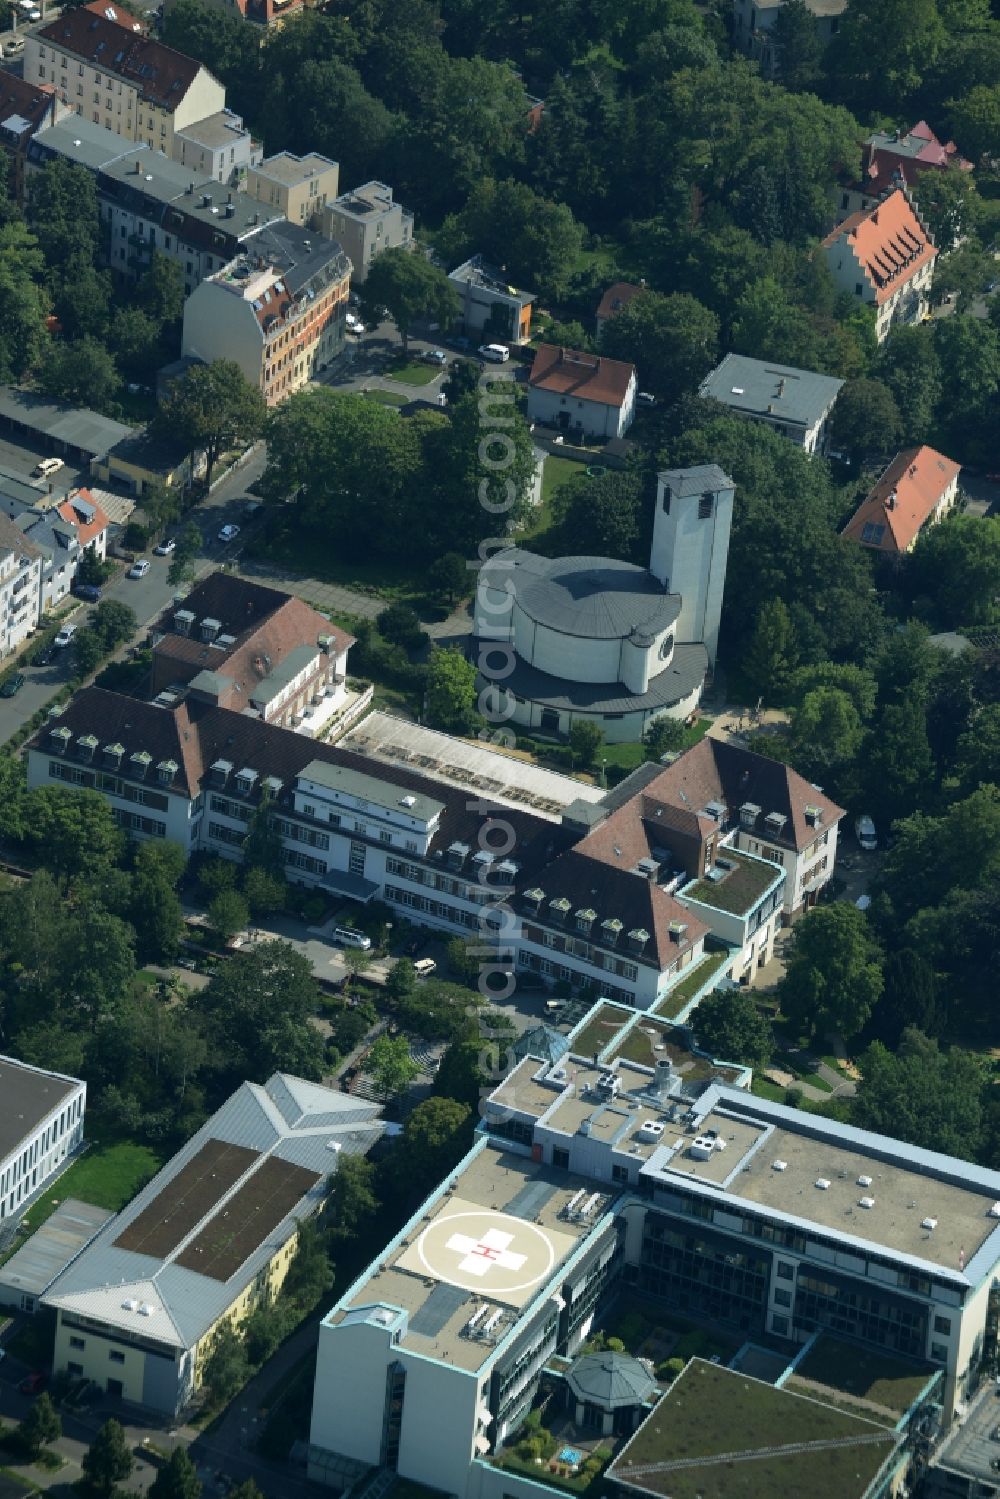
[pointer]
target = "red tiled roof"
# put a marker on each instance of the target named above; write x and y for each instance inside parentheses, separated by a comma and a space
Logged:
(618, 296)
(161, 75)
(588, 377)
(903, 500)
(29, 100)
(889, 242)
(86, 530)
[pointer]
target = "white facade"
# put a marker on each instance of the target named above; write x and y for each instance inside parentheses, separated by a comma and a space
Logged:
(569, 412)
(754, 19)
(56, 1105)
(807, 869)
(690, 552)
(20, 594)
(219, 147)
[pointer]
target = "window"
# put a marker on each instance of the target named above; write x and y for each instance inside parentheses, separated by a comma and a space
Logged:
(706, 505)
(384, 837)
(560, 1158)
(619, 1173)
(943, 1325)
(782, 1298)
(77, 1343)
(939, 1352)
(779, 1325)
(72, 1368)
(845, 200)
(115, 1357)
(786, 1271)
(859, 290)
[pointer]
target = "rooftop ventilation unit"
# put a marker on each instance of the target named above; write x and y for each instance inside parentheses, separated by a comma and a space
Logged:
(131, 1305)
(779, 1165)
(407, 801)
(703, 1147)
(995, 1210)
(823, 1183)
(866, 1202)
(651, 1129)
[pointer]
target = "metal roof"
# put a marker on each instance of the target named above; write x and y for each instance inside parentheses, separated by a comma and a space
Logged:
(686, 672)
(702, 478)
(610, 1380)
(87, 431)
(759, 387)
(377, 789)
(55, 1245)
(592, 598)
(287, 1119)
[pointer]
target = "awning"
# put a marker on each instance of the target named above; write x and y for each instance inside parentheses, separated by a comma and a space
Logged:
(346, 882)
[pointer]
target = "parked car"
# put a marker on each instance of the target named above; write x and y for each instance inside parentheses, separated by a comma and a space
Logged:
(494, 353)
(229, 533)
(46, 467)
(165, 548)
(139, 569)
(354, 324)
(13, 684)
(864, 831)
(13, 46)
(65, 636)
(346, 936)
(44, 656)
(424, 967)
(435, 356)
(645, 398)
(89, 592)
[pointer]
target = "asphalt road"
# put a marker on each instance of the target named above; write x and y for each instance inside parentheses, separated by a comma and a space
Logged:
(148, 596)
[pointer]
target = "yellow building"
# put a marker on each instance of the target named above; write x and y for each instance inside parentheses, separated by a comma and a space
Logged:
(208, 1240)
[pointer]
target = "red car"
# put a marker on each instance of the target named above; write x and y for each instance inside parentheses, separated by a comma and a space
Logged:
(33, 1384)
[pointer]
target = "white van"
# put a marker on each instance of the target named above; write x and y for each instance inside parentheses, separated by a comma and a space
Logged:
(348, 937)
(494, 353)
(864, 831)
(46, 467)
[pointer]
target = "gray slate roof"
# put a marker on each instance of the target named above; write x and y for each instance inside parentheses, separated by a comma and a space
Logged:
(687, 670)
(703, 478)
(754, 386)
(610, 1380)
(289, 1119)
(593, 598)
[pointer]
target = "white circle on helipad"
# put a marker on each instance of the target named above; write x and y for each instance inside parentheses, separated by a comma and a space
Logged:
(488, 1252)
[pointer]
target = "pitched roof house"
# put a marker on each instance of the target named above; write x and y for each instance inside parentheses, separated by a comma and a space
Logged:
(569, 389)
(615, 300)
(885, 257)
(891, 154)
(919, 487)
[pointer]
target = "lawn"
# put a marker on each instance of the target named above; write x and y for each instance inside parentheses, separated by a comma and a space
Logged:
(387, 397)
(600, 1029)
(865, 1373)
(710, 1411)
(412, 372)
(107, 1176)
(628, 757)
(673, 1003)
(555, 471)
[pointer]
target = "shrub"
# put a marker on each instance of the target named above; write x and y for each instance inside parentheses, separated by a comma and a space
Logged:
(615, 1345)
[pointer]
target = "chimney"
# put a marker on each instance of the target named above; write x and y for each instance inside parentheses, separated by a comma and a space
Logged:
(189, 189)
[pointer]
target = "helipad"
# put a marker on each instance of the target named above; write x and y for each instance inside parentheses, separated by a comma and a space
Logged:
(494, 1254)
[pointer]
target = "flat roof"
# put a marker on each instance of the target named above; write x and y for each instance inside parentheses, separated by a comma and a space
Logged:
(298, 658)
(351, 782)
(490, 1241)
(29, 1096)
(735, 884)
(717, 1433)
(75, 426)
(51, 1248)
(761, 387)
(290, 169)
(509, 781)
(214, 130)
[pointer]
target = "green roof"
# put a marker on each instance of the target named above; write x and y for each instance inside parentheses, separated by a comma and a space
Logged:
(739, 888)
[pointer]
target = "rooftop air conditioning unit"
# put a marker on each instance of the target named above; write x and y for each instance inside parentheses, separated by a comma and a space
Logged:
(864, 1181)
(929, 1223)
(779, 1165)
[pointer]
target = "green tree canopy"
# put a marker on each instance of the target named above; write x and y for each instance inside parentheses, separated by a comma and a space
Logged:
(73, 830)
(535, 239)
(866, 422)
(729, 1026)
(108, 1460)
(256, 1011)
(673, 341)
(412, 288)
(391, 1066)
(212, 407)
(41, 1425)
(956, 566)
(833, 978)
(451, 691)
(927, 1097)
(177, 1479)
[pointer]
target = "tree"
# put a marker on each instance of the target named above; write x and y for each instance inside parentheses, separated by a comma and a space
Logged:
(256, 1011)
(856, 681)
(600, 517)
(226, 1369)
(212, 407)
(391, 1066)
(909, 998)
(73, 830)
(729, 1026)
(949, 205)
(102, 961)
(310, 1275)
(451, 692)
(826, 729)
(24, 309)
(770, 652)
(883, 49)
(663, 735)
(40, 1426)
(63, 211)
(536, 239)
(108, 1460)
(866, 422)
(585, 740)
(956, 565)
(833, 979)
(228, 913)
(672, 340)
(799, 50)
(401, 979)
(187, 547)
(262, 847)
(265, 1328)
(978, 752)
(263, 891)
(401, 625)
(412, 288)
(898, 766)
(353, 1203)
(927, 1097)
(82, 372)
(113, 623)
(448, 577)
(134, 338)
(975, 118)
(177, 1479)
(434, 1138)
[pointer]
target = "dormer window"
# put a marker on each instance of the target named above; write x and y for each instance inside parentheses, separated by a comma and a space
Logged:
(139, 763)
(246, 779)
(220, 772)
(60, 739)
(559, 909)
(165, 771)
(483, 860)
(87, 744)
(505, 872)
(813, 815)
(585, 920)
(113, 754)
(210, 628)
(272, 785)
(715, 810)
(533, 899)
(637, 938)
(775, 823)
(611, 929)
(678, 931)
(749, 813)
(183, 620)
(457, 855)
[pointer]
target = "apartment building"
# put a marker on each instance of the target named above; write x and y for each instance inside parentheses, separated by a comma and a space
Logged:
(596, 1173)
(24, 108)
(208, 1240)
(367, 221)
(20, 585)
(892, 157)
(278, 309)
(919, 488)
(62, 524)
(217, 147)
(41, 1123)
(885, 257)
(298, 187)
(796, 403)
(111, 73)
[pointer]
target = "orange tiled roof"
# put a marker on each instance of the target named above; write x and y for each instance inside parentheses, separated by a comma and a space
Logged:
(589, 377)
(902, 501)
(889, 241)
(86, 530)
(618, 297)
